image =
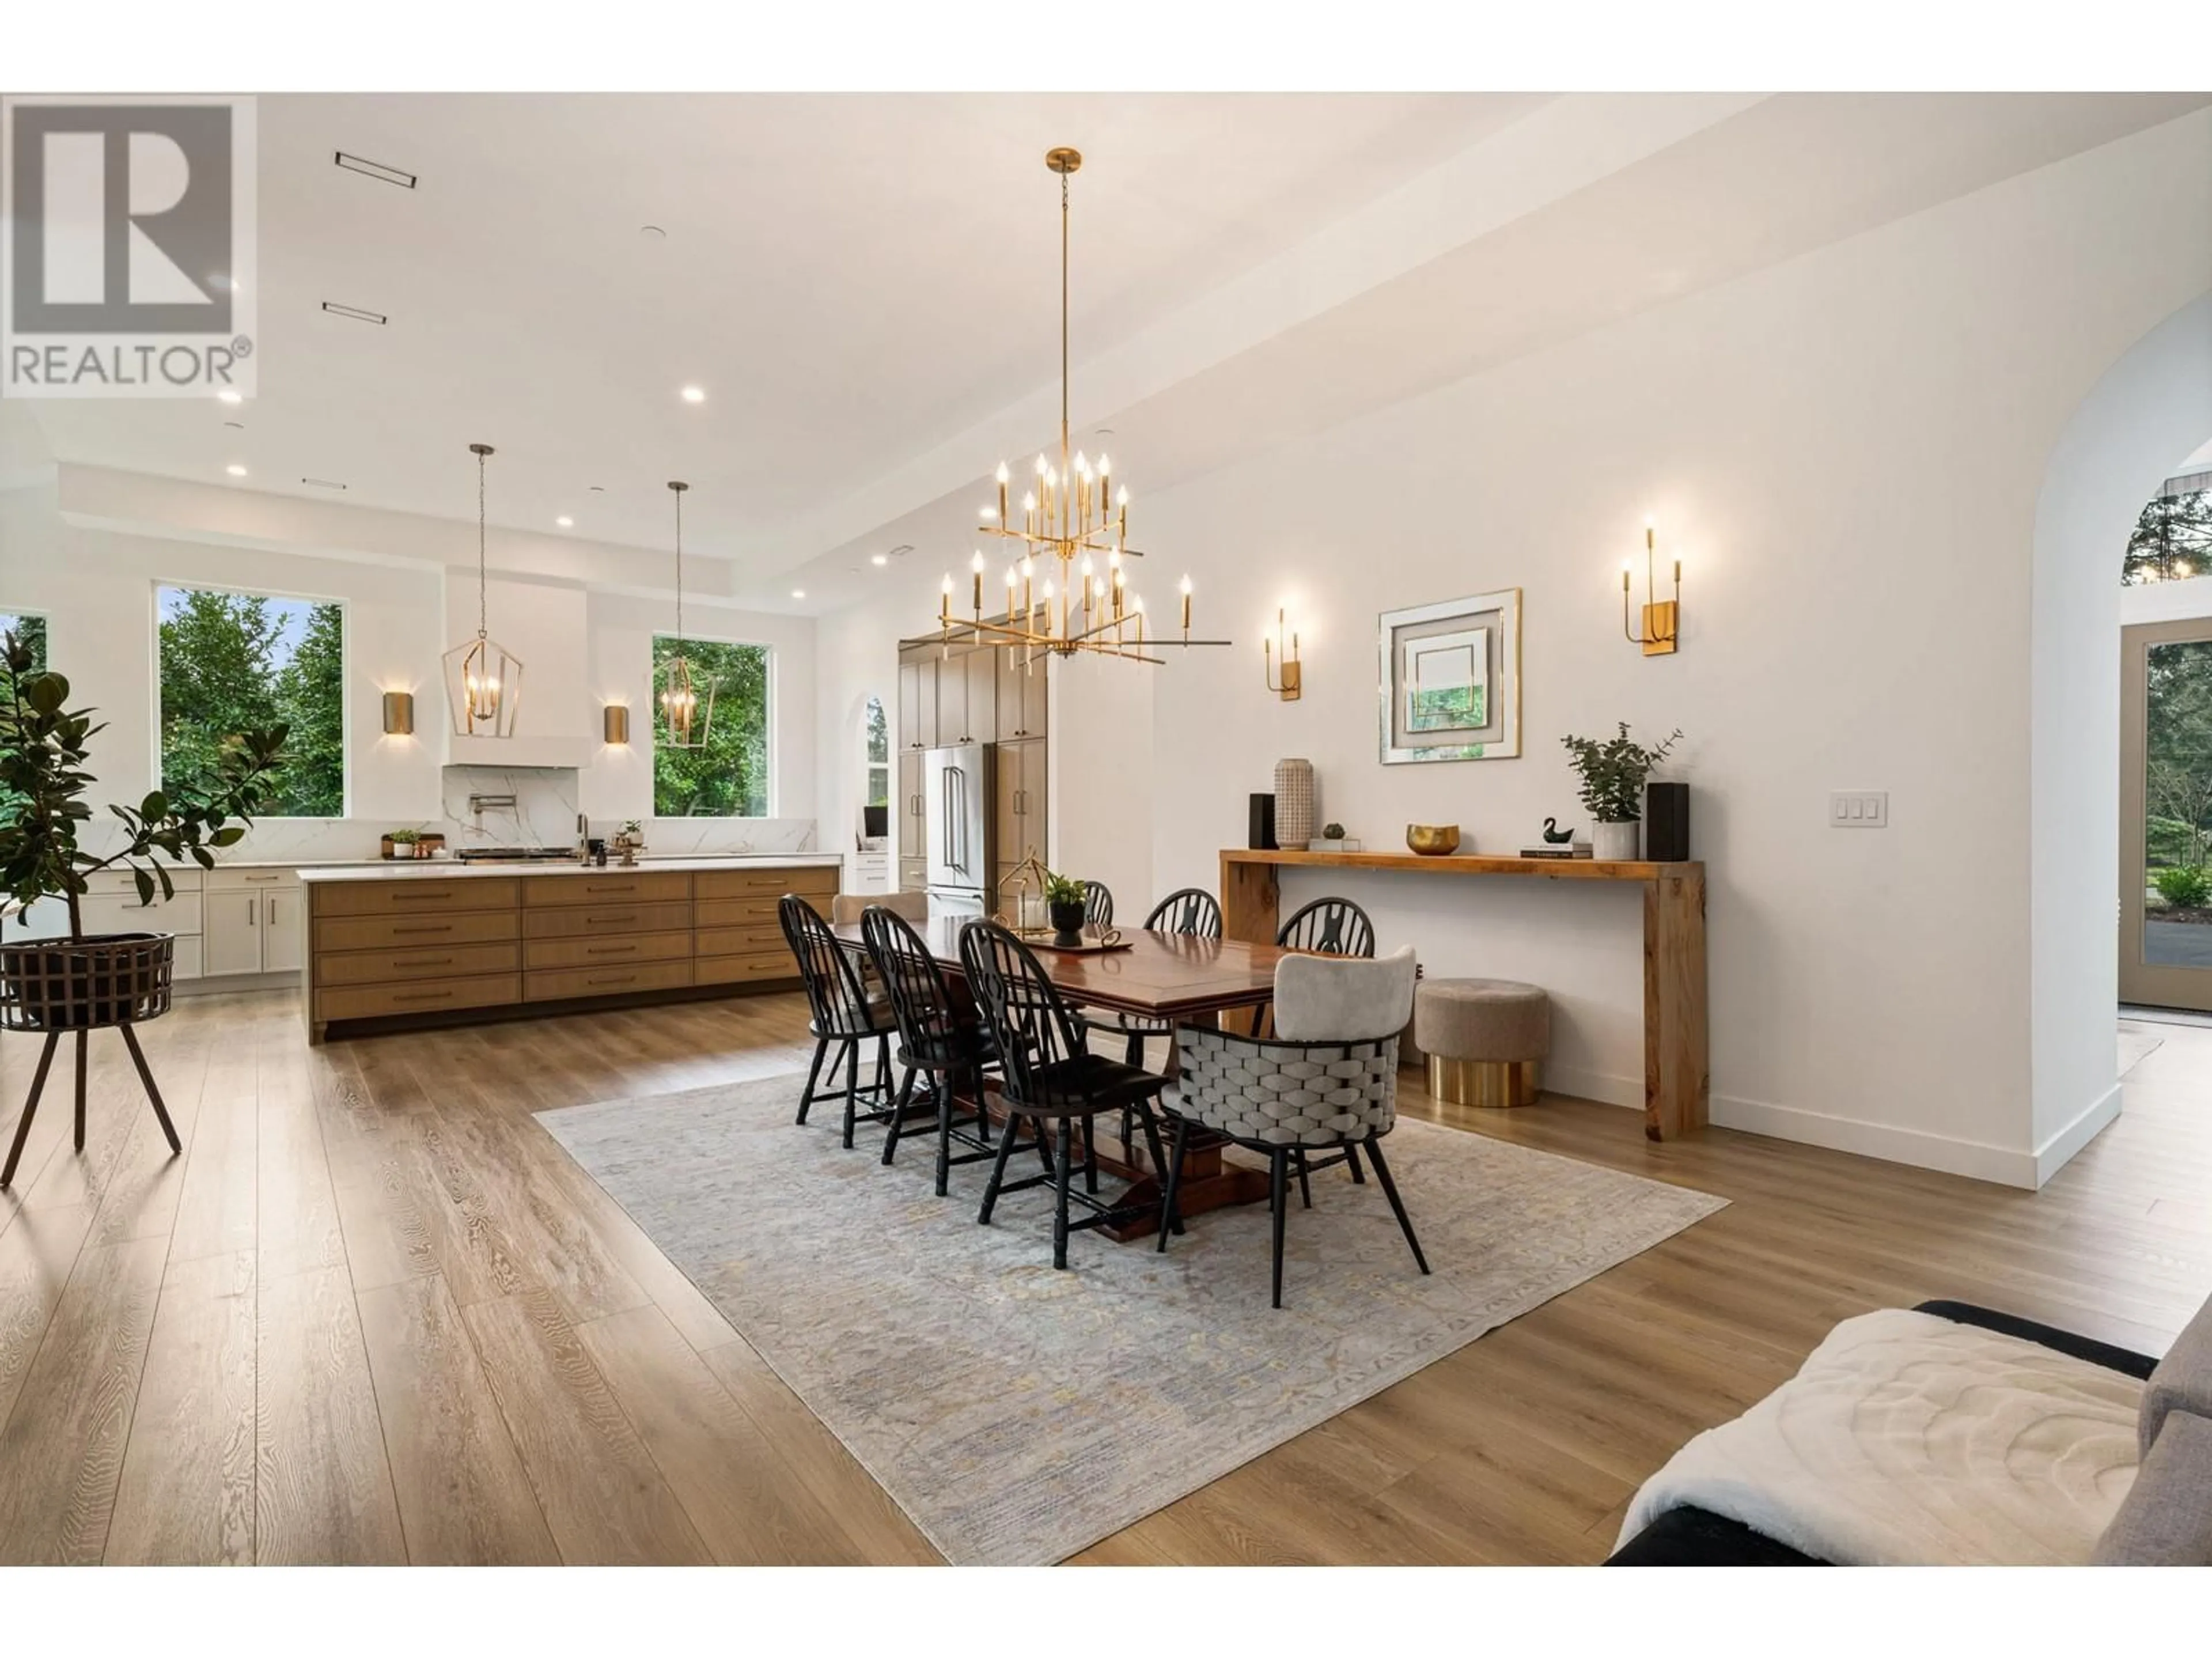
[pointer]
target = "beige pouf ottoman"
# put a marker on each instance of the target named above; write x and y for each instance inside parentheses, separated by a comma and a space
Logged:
(1485, 1039)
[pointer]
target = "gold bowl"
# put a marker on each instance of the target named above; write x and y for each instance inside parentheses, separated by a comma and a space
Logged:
(1434, 839)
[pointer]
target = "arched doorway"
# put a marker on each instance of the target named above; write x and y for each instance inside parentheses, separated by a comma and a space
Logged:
(2152, 405)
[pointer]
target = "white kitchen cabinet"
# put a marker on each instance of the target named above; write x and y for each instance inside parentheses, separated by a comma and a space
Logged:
(250, 922)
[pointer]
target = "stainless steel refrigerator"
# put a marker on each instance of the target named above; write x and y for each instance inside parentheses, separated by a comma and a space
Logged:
(957, 810)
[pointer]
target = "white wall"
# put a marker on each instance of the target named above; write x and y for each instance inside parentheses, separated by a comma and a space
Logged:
(96, 586)
(1847, 452)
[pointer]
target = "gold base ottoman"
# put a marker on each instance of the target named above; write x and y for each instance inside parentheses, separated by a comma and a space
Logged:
(1485, 1039)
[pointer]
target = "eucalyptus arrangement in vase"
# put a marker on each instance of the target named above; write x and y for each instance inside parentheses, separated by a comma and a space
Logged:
(1612, 773)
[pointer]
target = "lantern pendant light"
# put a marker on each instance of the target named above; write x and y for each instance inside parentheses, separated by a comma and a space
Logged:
(483, 679)
(687, 707)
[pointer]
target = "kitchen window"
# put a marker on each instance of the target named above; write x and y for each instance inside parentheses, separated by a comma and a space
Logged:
(727, 776)
(879, 762)
(233, 661)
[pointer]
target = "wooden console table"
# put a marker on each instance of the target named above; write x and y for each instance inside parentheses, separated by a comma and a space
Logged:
(1675, 1084)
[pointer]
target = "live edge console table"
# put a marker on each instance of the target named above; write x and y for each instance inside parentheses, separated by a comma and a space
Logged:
(1675, 1083)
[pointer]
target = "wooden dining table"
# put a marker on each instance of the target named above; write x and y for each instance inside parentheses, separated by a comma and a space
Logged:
(1176, 977)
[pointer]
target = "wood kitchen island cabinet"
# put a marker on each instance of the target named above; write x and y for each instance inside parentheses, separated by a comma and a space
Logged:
(410, 946)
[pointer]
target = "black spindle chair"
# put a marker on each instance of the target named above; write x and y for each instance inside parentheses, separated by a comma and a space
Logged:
(1328, 928)
(842, 1013)
(1098, 904)
(938, 1038)
(1050, 1079)
(1187, 910)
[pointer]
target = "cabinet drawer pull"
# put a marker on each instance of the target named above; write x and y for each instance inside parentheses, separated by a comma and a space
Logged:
(613, 978)
(422, 894)
(611, 921)
(264, 878)
(434, 927)
(420, 996)
(610, 950)
(612, 887)
(423, 962)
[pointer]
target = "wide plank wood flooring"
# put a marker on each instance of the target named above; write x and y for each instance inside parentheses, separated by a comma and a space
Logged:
(373, 1313)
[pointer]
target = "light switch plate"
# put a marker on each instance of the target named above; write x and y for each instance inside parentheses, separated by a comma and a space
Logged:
(1858, 809)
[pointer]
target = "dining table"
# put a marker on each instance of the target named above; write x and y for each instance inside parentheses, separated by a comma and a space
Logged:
(1178, 978)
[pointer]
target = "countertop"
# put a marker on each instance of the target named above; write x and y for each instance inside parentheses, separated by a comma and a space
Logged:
(453, 869)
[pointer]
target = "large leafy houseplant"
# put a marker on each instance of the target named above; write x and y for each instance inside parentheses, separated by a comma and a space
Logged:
(43, 750)
(1612, 772)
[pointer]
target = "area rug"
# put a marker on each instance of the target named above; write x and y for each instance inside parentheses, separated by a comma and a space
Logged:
(1018, 1414)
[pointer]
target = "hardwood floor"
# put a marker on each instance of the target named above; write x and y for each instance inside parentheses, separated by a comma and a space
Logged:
(375, 1314)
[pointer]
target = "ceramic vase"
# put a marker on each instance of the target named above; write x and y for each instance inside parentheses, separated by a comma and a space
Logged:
(1295, 820)
(1614, 841)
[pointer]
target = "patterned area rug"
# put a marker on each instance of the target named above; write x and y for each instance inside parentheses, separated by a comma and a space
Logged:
(1019, 1414)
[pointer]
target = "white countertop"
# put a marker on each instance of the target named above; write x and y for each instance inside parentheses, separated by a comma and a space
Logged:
(448, 869)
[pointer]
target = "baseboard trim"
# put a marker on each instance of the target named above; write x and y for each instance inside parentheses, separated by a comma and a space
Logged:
(1976, 1160)
(2053, 1155)
(1601, 1086)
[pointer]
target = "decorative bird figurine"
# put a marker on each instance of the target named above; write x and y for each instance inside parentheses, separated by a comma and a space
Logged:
(1555, 836)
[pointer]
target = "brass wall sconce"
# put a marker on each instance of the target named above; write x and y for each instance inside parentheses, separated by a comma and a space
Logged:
(1288, 684)
(614, 724)
(1661, 626)
(399, 714)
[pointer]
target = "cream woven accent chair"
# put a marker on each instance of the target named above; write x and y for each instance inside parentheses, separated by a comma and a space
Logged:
(1320, 1093)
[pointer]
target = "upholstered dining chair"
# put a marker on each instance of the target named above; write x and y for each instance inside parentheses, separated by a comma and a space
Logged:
(1319, 1093)
(842, 1013)
(1051, 1081)
(938, 1038)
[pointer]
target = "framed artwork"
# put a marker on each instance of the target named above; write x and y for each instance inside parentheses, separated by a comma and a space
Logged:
(1451, 679)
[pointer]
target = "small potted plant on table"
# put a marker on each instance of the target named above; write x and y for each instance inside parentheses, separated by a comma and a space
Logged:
(86, 982)
(1612, 774)
(1065, 898)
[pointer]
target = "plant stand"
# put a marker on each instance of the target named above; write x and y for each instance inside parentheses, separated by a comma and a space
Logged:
(65, 986)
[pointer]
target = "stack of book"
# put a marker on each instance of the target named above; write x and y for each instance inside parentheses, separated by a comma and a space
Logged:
(1560, 849)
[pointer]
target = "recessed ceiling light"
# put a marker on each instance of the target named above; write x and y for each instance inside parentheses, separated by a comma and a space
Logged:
(564, 521)
(323, 483)
(235, 470)
(357, 313)
(798, 592)
(374, 170)
(901, 550)
(652, 233)
(695, 394)
(599, 489)
(235, 426)
(880, 558)
(1102, 431)
(230, 394)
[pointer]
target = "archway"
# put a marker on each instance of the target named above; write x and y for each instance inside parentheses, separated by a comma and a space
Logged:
(2152, 405)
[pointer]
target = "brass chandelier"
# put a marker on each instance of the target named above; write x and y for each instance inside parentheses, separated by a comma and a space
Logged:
(686, 717)
(483, 679)
(1072, 515)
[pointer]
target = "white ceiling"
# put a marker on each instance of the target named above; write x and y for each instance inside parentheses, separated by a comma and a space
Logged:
(866, 286)
(848, 277)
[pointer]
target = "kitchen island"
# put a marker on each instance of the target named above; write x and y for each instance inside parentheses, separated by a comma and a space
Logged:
(438, 942)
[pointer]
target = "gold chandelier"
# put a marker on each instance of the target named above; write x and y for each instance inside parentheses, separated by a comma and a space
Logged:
(685, 716)
(483, 679)
(1073, 515)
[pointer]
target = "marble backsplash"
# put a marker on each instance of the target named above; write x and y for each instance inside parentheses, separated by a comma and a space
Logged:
(543, 814)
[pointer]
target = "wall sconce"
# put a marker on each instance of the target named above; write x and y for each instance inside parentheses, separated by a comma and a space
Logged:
(399, 714)
(614, 722)
(1662, 618)
(1287, 687)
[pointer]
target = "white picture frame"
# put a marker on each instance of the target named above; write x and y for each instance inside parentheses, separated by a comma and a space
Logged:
(1450, 679)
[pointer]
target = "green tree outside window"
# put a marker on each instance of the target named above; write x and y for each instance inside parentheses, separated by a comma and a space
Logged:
(236, 662)
(729, 777)
(31, 630)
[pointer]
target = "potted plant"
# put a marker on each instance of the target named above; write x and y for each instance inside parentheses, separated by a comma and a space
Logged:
(84, 982)
(1612, 774)
(1065, 897)
(400, 844)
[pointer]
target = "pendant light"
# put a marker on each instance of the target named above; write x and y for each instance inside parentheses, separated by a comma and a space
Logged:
(483, 679)
(687, 710)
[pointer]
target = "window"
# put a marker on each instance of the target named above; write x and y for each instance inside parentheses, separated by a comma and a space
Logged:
(727, 776)
(879, 755)
(233, 661)
(2173, 539)
(33, 632)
